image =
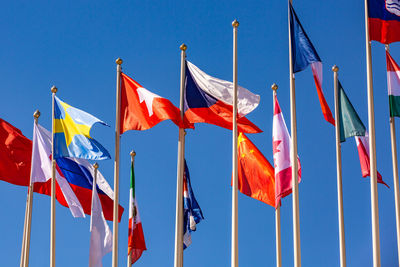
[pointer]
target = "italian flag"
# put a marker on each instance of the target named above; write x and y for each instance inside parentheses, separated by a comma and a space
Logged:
(136, 243)
(393, 80)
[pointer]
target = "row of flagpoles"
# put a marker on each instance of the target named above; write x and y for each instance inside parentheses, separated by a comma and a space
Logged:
(130, 95)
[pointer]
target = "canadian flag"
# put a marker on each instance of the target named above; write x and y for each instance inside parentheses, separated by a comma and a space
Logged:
(281, 150)
(142, 109)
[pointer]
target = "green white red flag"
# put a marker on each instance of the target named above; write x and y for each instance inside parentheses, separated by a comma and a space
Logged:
(393, 80)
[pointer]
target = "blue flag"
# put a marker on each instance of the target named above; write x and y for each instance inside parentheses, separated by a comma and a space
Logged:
(192, 213)
(72, 133)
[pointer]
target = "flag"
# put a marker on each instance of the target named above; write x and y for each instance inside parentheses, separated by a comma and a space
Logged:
(136, 243)
(142, 109)
(192, 213)
(210, 100)
(384, 20)
(393, 81)
(363, 153)
(101, 236)
(350, 123)
(304, 54)
(281, 149)
(15, 155)
(255, 174)
(72, 133)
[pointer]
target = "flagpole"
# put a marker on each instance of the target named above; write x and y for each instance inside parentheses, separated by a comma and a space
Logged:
(373, 169)
(116, 166)
(21, 264)
(95, 166)
(132, 207)
(53, 188)
(235, 228)
(278, 241)
(335, 70)
(293, 157)
(395, 174)
(178, 258)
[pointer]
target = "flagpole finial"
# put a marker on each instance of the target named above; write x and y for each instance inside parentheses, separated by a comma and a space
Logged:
(183, 47)
(36, 115)
(118, 61)
(335, 68)
(235, 23)
(274, 87)
(96, 165)
(133, 153)
(54, 89)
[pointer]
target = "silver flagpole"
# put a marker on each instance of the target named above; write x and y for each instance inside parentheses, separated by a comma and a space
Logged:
(178, 255)
(278, 241)
(53, 188)
(395, 174)
(21, 264)
(335, 70)
(95, 166)
(235, 228)
(116, 166)
(373, 169)
(293, 157)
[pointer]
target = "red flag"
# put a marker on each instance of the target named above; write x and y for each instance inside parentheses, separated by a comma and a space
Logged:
(142, 109)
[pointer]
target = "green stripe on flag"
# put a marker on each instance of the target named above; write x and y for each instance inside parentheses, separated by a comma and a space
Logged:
(133, 180)
(394, 104)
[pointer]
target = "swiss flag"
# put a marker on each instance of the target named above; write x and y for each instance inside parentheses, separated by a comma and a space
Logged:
(142, 109)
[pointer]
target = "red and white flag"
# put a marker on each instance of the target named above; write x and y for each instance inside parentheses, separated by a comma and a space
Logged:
(281, 150)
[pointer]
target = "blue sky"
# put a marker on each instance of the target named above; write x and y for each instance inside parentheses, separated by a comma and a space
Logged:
(74, 44)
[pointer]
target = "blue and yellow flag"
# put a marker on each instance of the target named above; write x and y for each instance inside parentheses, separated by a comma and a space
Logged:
(72, 133)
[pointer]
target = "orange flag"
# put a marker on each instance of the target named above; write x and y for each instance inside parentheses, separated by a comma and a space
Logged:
(256, 174)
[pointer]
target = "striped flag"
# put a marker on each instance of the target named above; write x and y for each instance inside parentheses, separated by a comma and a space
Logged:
(136, 243)
(393, 80)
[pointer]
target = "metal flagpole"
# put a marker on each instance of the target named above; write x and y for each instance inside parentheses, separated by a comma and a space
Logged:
(178, 258)
(274, 87)
(131, 206)
(395, 175)
(293, 157)
(373, 169)
(116, 166)
(94, 184)
(53, 188)
(335, 70)
(235, 228)
(21, 264)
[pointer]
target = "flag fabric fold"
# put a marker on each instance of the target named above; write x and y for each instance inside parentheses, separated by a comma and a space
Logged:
(384, 20)
(192, 213)
(136, 242)
(210, 100)
(142, 109)
(393, 81)
(72, 133)
(255, 173)
(281, 149)
(303, 55)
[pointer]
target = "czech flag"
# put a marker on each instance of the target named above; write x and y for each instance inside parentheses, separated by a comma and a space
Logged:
(384, 20)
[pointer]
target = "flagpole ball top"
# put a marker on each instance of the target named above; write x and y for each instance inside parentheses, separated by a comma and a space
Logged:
(274, 87)
(96, 165)
(54, 89)
(183, 47)
(133, 153)
(335, 68)
(235, 23)
(36, 114)
(118, 61)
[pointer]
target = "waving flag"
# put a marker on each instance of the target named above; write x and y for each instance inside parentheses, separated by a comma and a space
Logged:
(255, 174)
(210, 100)
(384, 20)
(72, 133)
(192, 213)
(393, 80)
(136, 243)
(281, 146)
(142, 109)
(304, 54)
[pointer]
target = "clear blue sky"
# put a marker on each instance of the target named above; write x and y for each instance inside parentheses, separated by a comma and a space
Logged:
(74, 44)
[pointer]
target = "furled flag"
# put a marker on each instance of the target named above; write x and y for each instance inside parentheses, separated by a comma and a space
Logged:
(101, 236)
(15, 155)
(393, 80)
(349, 122)
(142, 109)
(304, 54)
(72, 133)
(210, 100)
(384, 20)
(256, 175)
(192, 213)
(136, 243)
(281, 147)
